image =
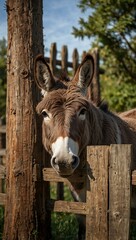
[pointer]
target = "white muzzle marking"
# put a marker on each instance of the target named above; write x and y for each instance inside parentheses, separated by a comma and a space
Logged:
(65, 155)
(64, 146)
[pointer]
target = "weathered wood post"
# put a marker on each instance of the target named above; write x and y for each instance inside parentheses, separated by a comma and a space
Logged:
(64, 58)
(25, 212)
(75, 57)
(108, 192)
(53, 53)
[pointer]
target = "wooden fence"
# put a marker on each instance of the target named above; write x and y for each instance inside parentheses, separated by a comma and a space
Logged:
(107, 176)
(108, 181)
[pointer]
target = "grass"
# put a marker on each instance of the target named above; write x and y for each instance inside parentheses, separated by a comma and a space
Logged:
(63, 225)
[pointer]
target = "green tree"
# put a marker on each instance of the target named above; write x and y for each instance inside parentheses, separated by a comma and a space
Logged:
(112, 27)
(3, 51)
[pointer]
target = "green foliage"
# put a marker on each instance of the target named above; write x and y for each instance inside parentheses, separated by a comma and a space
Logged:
(64, 226)
(115, 86)
(121, 96)
(112, 27)
(3, 49)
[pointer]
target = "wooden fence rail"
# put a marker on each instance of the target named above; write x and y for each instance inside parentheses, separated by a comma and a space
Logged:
(108, 192)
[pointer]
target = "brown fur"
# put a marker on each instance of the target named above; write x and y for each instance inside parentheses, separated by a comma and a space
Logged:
(98, 129)
(64, 99)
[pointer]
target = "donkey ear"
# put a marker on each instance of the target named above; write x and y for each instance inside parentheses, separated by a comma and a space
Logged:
(84, 74)
(42, 74)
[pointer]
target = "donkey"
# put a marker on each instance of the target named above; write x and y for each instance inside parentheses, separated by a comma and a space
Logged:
(71, 121)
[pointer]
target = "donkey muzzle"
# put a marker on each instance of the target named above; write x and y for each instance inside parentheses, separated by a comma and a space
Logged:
(65, 166)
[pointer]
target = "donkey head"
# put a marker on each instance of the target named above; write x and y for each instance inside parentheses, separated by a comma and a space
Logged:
(65, 114)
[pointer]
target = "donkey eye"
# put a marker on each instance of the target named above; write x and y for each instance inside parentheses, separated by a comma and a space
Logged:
(82, 111)
(44, 114)
(81, 114)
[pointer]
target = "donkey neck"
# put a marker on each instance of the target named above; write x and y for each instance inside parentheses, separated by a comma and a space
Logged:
(105, 129)
(111, 129)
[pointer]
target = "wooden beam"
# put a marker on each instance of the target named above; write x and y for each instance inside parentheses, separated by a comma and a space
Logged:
(2, 128)
(69, 64)
(68, 207)
(2, 172)
(2, 152)
(119, 194)
(97, 193)
(2, 198)
(49, 174)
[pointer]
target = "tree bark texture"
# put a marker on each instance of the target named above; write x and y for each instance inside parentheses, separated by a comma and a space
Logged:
(25, 212)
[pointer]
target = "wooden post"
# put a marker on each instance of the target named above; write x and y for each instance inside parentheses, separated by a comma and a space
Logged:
(120, 192)
(25, 212)
(64, 58)
(75, 57)
(97, 193)
(53, 53)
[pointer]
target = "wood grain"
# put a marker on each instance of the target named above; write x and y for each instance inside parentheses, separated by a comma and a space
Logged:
(119, 194)
(97, 193)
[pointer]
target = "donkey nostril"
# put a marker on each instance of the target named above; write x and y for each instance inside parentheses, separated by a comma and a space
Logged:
(53, 161)
(75, 161)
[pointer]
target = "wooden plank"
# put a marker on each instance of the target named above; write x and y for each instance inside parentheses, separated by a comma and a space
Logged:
(75, 57)
(97, 193)
(119, 194)
(68, 207)
(134, 177)
(52, 60)
(49, 174)
(2, 152)
(2, 198)
(58, 62)
(2, 172)
(2, 128)
(69, 64)
(64, 58)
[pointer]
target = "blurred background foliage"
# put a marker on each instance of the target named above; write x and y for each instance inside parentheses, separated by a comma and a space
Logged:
(111, 26)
